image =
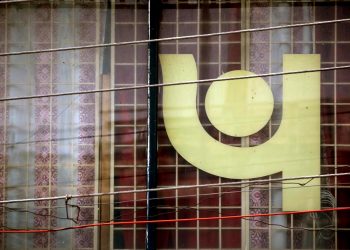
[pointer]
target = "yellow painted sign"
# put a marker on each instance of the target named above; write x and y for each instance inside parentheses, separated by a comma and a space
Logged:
(240, 108)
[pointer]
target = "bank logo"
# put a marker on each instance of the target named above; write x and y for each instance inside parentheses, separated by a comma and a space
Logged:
(241, 108)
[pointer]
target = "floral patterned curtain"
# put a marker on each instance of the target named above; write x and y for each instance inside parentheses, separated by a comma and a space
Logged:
(48, 145)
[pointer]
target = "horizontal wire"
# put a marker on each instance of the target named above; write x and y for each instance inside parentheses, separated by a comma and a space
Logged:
(175, 83)
(135, 222)
(77, 138)
(120, 216)
(215, 193)
(133, 132)
(115, 218)
(141, 175)
(93, 136)
(49, 215)
(70, 196)
(14, 1)
(287, 26)
(195, 206)
(327, 227)
(178, 208)
(233, 190)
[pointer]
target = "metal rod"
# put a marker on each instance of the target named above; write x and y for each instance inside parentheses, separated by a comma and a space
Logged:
(287, 26)
(233, 183)
(152, 117)
(15, 1)
(105, 128)
(155, 85)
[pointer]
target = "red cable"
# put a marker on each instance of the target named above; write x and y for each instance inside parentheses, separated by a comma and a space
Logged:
(172, 220)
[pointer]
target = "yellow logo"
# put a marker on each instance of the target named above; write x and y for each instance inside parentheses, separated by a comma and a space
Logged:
(243, 107)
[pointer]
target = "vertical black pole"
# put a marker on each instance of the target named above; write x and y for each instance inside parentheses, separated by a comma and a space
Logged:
(152, 101)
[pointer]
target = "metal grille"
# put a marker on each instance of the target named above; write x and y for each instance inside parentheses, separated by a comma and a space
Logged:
(259, 52)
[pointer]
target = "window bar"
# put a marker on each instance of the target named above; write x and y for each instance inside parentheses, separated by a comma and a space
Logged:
(135, 20)
(335, 42)
(270, 122)
(51, 207)
(313, 51)
(73, 101)
(5, 121)
(99, 16)
(152, 116)
(245, 49)
(31, 111)
(220, 72)
(105, 142)
(176, 154)
(198, 59)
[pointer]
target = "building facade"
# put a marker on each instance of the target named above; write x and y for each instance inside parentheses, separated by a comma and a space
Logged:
(79, 144)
